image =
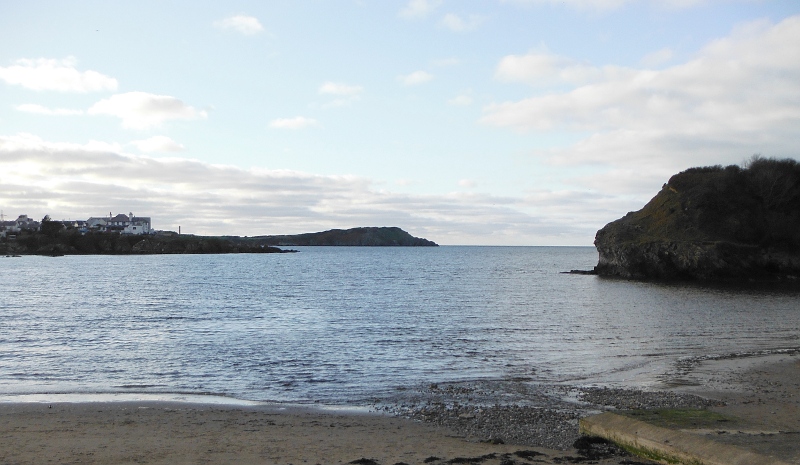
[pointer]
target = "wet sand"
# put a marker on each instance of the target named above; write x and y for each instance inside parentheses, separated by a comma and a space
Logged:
(175, 433)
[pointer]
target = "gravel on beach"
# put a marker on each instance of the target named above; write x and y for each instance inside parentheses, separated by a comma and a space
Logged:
(530, 415)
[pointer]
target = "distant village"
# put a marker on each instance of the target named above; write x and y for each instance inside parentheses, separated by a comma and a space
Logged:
(119, 224)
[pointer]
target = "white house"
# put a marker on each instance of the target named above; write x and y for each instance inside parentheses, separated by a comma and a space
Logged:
(137, 225)
(117, 223)
(23, 222)
(96, 223)
(7, 227)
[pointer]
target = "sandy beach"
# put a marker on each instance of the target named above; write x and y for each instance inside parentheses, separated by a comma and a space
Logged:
(175, 433)
(762, 393)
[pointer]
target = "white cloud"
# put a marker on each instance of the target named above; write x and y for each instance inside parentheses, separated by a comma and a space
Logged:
(445, 62)
(419, 8)
(658, 57)
(340, 89)
(415, 78)
(346, 93)
(456, 23)
(339, 102)
(468, 183)
(729, 101)
(578, 4)
(141, 110)
(543, 68)
(461, 100)
(42, 110)
(25, 142)
(607, 5)
(247, 25)
(158, 144)
(298, 122)
(58, 75)
(81, 180)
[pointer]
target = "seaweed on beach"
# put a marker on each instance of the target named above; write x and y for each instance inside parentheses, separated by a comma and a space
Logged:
(596, 448)
(364, 461)
(681, 418)
(480, 459)
(528, 454)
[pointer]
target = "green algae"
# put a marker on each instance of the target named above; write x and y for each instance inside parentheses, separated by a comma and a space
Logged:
(682, 418)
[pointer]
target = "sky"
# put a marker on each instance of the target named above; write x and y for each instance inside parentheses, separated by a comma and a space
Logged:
(495, 122)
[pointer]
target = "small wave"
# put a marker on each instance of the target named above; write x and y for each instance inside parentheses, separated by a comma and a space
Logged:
(689, 362)
(139, 386)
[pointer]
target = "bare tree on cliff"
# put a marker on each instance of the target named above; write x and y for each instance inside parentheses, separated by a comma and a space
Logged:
(49, 227)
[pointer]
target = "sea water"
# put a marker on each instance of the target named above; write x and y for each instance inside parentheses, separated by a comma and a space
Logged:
(347, 325)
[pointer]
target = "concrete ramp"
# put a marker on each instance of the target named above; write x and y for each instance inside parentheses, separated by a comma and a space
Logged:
(666, 445)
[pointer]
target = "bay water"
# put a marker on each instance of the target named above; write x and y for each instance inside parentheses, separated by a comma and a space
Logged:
(347, 325)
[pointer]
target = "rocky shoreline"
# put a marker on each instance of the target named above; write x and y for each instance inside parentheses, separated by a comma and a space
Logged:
(748, 400)
(541, 416)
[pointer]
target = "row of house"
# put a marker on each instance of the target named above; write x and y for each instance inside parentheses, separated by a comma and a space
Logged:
(121, 224)
(22, 223)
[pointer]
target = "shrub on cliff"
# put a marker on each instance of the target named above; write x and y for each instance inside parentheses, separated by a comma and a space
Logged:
(49, 227)
(758, 204)
(775, 182)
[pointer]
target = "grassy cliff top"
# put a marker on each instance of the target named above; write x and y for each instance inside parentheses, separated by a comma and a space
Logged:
(757, 204)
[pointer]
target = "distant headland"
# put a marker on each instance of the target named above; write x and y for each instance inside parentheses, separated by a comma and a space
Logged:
(712, 223)
(131, 235)
(364, 237)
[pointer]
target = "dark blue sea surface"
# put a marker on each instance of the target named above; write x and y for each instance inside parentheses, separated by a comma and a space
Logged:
(345, 325)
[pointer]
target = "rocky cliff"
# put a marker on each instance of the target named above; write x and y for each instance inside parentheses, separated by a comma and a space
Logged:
(373, 236)
(711, 223)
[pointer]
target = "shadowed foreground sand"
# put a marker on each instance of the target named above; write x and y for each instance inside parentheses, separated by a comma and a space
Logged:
(173, 433)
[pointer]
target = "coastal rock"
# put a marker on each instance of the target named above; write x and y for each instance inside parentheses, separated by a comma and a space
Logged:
(72, 242)
(711, 223)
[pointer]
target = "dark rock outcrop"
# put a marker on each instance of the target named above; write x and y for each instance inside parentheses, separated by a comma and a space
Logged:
(72, 242)
(196, 245)
(349, 237)
(711, 223)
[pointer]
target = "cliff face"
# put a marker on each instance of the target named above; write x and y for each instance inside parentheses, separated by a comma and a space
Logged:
(711, 223)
